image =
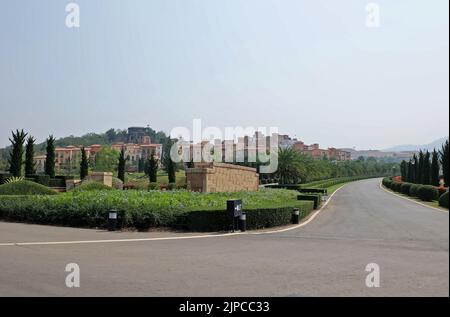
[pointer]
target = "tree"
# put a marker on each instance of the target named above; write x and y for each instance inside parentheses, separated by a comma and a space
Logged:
(166, 159)
(416, 169)
(434, 178)
(30, 165)
(410, 172)
(444, 162)
(121, 165)
(426, 169)
(421, 166)
(153, 169)
(106, 160)
(16, 155)
(404, 170)
(84, 164)
(50, 156)
(289, 166)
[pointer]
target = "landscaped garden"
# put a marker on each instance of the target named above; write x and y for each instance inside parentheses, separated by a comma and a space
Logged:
(142, 210)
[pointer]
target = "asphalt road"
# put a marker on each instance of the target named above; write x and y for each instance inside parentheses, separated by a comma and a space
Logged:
(327, 257)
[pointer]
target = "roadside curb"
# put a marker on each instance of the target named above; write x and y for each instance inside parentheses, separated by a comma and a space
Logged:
(412, 200)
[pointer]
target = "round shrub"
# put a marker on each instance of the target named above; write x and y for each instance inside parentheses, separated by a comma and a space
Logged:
(428, 193)
(443, 200)
(90, 186)
(153, 186)
(414, 190)
(406, 188)
(25, 187)
(397, 186)
(117, 183)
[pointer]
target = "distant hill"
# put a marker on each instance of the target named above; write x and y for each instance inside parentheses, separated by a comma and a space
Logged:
(415, 147)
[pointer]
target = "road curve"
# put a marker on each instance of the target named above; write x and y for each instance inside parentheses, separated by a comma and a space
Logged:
(362, 224)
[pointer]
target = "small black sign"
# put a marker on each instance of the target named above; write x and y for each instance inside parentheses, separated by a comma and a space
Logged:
(234, 208)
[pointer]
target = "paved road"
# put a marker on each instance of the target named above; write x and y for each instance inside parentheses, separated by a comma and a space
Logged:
(361, 225)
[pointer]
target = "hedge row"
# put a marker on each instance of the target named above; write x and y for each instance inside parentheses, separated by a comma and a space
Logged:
(143, 210)
(336, 181)
(443, 200)
(423, 192)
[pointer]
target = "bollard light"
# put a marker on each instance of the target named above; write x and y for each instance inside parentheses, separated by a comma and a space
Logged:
(243, 222)
(112, 220)
(295, 216)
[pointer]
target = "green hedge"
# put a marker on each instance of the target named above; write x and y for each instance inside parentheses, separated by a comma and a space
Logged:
(405, 188)
(90, 186)
(443, 200)
(25, 187)
(316, 198)
(143, 209)
(336, 181)
(428, 193)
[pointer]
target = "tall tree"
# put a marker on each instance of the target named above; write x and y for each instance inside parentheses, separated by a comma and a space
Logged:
(416, 169)
(30, 164)
(426, 170)
(434, 168)
(404, 170)
(84, 164)
(16, 155)
(421, 161)
(445, 163)
(410, 171)
(121, 165)
(153, 169)
(50, 157)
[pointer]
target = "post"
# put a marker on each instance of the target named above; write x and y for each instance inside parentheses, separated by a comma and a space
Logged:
(112, 220)
(243, 222)
(295, 216)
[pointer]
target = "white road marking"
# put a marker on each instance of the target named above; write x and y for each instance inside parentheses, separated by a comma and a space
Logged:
(411, 200)
(311, 218)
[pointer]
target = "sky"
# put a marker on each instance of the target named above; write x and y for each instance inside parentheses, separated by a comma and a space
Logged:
(312, 68)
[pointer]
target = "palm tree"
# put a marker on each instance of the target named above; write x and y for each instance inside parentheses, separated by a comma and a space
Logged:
(290, 166)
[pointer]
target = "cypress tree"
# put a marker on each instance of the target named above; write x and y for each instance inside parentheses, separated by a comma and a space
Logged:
(421, 166)
(30, 165)
(410, 171)
(50, 157)
(416, 169)
(171, 171)
(84, 164)
(444, 162)
(121, 166)
(153, 168)
(16, 155)
(435, 168)
(404, 170)
(426, 176)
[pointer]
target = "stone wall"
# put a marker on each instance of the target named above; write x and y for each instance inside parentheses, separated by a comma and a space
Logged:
(221, 177)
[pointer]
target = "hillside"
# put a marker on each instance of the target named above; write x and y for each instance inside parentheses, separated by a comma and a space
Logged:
(416, 147)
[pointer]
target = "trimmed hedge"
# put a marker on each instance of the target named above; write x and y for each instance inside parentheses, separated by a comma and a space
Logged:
(428, 193)
(443, 200)
(143, 209)
(90, 186)
(25, 187)
(405, 188)
(316, 198)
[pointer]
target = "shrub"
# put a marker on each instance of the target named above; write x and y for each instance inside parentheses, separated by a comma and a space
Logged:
(57, 182)
(117, 183)
(405, 188)
(442, 191)
(414, 190)
(90, 186)
(316, 198)
(4, 177)
(171, 186)
(153, 186)
(143, 209)
(443, 200)
(24, 187)
(428, 193)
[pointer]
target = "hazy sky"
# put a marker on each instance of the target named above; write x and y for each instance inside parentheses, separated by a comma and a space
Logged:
(311, 68)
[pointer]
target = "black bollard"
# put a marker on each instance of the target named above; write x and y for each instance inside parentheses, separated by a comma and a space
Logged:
(243, 222)
(112, 220)
(295, 216)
